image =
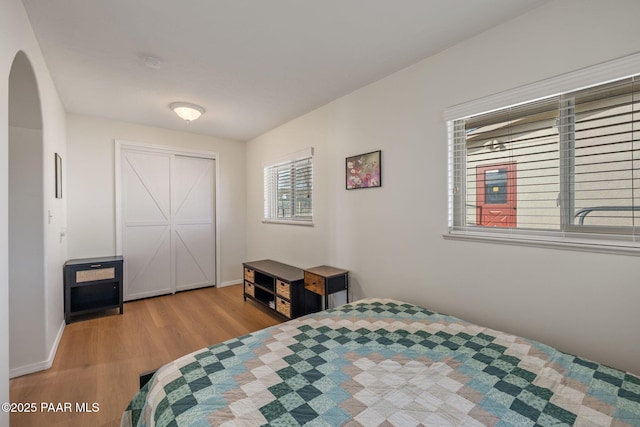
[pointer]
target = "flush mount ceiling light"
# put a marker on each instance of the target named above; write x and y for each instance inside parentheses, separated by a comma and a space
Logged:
(187, 112)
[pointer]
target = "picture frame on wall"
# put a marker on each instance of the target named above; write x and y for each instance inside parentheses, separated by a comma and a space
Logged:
(58, 176)
(364, 170)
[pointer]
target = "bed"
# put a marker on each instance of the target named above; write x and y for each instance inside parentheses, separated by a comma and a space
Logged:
(380, 362)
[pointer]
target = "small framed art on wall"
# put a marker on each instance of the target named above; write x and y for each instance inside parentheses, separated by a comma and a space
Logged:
(363, 170)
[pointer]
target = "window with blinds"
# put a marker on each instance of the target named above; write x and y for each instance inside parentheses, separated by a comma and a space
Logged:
(288, 189)
(567, 165)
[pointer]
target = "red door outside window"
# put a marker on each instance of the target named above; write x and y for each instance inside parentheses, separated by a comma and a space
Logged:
(496, 193)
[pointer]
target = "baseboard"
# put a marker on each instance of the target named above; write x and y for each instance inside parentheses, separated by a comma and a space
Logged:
(229, 283)
(40, 366)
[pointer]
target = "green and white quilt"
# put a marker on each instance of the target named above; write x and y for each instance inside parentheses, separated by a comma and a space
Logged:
(381, 362)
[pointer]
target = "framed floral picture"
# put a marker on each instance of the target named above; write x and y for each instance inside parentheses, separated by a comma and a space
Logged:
(364, 171)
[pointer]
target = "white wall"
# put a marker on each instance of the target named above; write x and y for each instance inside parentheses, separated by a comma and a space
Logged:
(391, 238)
(26, 251)
(280, 241)
(91, 186)
(16, 35)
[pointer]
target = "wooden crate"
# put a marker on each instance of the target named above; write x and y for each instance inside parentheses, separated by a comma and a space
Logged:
(249, 275)
(249, 289)
(283, 289)
(283, 307)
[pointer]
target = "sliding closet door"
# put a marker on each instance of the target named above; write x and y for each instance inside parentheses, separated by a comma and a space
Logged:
(167, 222)
(146, 221)
(193, 222)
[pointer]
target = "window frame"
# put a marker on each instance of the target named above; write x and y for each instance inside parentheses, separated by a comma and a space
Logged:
(270, 188)
(598, 238)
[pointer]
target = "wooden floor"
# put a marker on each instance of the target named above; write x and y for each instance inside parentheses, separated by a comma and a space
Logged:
(99, 359)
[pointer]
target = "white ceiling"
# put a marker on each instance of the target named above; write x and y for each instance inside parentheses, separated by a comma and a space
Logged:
(252, 64)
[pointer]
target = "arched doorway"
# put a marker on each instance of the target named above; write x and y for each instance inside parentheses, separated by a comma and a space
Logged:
(26, 217)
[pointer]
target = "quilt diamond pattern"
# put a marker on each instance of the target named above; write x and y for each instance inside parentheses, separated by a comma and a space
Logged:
(379, 363)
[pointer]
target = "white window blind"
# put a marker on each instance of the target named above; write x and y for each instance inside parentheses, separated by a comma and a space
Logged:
(566, 166)
(288, 188)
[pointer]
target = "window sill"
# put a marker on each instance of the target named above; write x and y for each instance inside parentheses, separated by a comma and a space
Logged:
(581, 245)
(287, 221)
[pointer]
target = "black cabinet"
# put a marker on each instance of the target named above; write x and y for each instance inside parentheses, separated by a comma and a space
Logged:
(275, 285)
(92, 284)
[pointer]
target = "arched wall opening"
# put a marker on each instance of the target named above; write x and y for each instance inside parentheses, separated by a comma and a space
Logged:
(27, 332)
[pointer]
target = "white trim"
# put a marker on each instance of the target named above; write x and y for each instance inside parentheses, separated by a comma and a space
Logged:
(609, 247)
(153, 148)
(139, 146)
(287, 221)
(40, 366)
(291, 157)
(231, 282)
(616, 69)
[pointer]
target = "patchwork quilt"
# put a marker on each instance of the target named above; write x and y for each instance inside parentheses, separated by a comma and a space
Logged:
(381, 362)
